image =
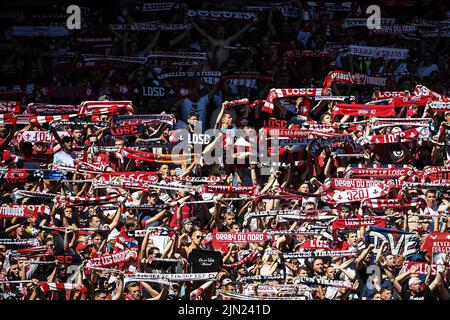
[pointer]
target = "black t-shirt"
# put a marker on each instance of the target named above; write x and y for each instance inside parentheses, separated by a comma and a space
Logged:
(425, 294)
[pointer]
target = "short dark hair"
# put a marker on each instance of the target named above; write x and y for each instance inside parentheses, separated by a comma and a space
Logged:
(193, 114)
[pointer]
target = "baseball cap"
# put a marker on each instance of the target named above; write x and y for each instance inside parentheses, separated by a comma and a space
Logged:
(413, 280)
(244, 122)
(227, 281)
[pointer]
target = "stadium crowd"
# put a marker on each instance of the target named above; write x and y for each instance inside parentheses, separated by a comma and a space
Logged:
(225, 150)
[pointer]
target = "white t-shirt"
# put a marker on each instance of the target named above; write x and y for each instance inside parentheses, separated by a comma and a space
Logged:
(64, 159)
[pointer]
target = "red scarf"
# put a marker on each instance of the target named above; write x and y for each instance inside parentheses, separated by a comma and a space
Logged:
(357, 223)
(353, 195)
(281, 93)
(23, 211)
(113, 259)
(218, 189)
(10, 106)
(354, 78)
(362, 110)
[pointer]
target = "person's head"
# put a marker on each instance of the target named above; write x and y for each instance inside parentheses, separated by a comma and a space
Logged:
(340, 172)
(174, 289)
(3, 131)
(414, 284)
(93, 139)
(100, 294)
(40, 147)
(352, 237)
(235, 227)
(390, 261)
(345, 211)
(78, 133)
(192, 119)
(14, 269)
(229, 218)
(196, 238)
(153, 197)
(304, 187)
(20, 231)
(318, 266)
(164, 170)
(330, 272)
(187, 226)
(133, 291)
(386, 293)
(228, 285)
(68, 212)
(430, 198)
(302, 271)
(326, 118)
(220, 32)
(376, 296)
(119, 142)
(227, 120)
(131, 224)
(67, 143)
(97, 239)
(94, 221)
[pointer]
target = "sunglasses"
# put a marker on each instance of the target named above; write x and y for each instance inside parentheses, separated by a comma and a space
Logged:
(199, 237)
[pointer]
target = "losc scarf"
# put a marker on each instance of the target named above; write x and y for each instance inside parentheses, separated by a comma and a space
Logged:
(282, 93)
(358, 222)
(378, 52)
(23, 211)
(109, 260)
(53, 286)
(380, 171)
(9, 106)
(401, 136)
(362, 110)
(356, 195)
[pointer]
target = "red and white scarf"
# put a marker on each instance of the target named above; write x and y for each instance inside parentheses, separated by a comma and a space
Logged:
(219, 189)
(70, 201)
(113, 259)
(393, 203)
(362, 110)
(281, 93)
(380, 171)
(235, 237)
(9, 106)
(401, 136)
(23, 211)
(354, 78)
(316, 254)
(353, 195)
(358, 222)
(53, 286)
(244, 260)
(314, 244)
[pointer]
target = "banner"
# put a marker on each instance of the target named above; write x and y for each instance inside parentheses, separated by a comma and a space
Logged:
(437, 242)
(324, 282)
(108, 260)
(39, 31)
(358, 222)
(40, 136)
(9, 106)
(205, 261)
(222, 15)
(400, 242)
(318, 254)
(379, 52)
(353, 195)
(234, 237)
(23, 211)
